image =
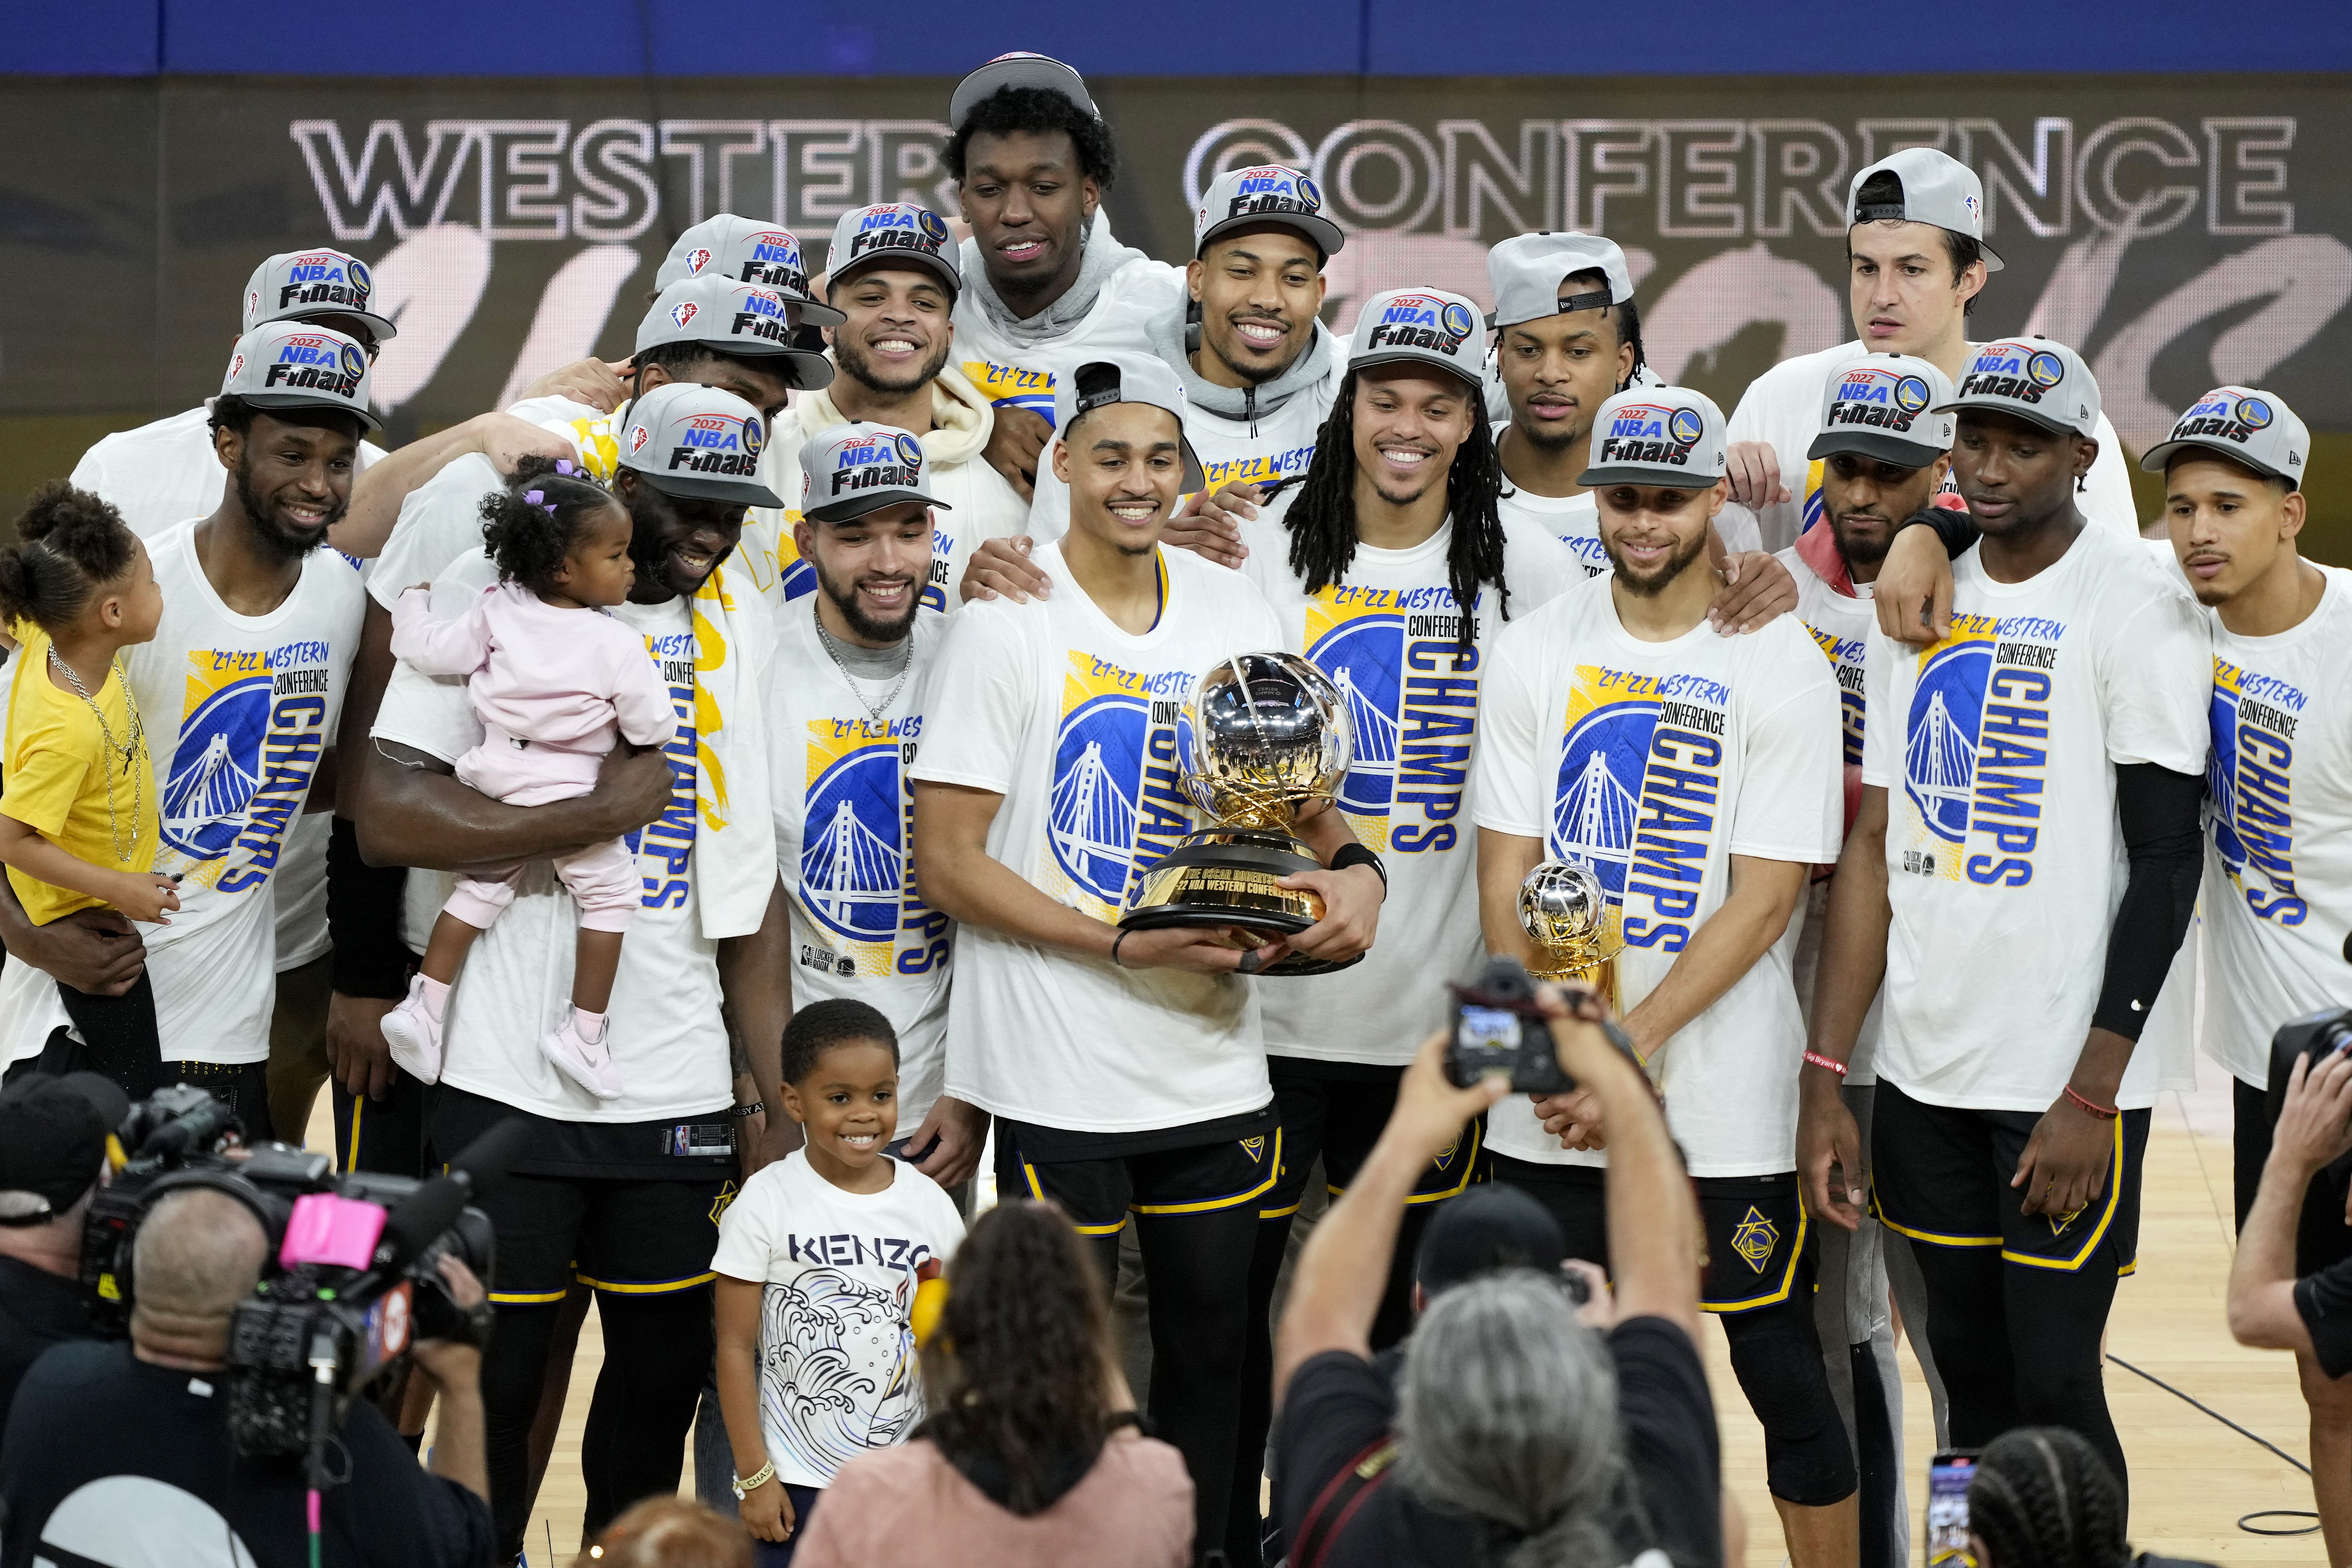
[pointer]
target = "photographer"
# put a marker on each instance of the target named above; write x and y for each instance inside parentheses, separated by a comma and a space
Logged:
(120, 1454)
(1515, 1431)
(52, 1156)
(2297, 1222)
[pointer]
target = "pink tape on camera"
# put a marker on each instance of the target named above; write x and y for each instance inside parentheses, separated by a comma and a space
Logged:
(329, 1230)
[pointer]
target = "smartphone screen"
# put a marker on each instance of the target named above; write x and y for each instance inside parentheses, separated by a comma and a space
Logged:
(1948, 1507)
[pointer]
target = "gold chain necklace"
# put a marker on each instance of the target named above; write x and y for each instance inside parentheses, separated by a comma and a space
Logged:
(131, 745)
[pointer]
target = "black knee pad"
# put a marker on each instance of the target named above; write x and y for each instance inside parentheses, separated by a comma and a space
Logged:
(1777, 1359)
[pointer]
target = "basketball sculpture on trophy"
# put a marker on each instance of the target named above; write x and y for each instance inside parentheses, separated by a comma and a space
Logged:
(1265, 734)
(1565, 911)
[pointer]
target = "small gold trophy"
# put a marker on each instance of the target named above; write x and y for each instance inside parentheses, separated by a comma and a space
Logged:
(1565, 911)
(1264, 734)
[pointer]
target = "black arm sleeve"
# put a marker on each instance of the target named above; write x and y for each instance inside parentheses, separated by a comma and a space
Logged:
(1957, 529)
(2158, 811)
(363, 920)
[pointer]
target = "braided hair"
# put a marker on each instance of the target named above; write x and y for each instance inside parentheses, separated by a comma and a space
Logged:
(70, 544)
(1322, 521)
(2043, 1498)
(533, 523)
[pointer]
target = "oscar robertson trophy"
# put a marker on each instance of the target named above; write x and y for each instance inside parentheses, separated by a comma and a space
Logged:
(1265, 733)
(1565, 911)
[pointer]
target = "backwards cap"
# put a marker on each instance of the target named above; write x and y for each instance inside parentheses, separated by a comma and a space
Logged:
(302, 285)
(698, 441)
(2036, 379)
(899, 232)
(1019, 68)
(1265, 194)
(1668, 435)
(1528, 270)
(1426, 326)
(1935, 187)
(746, 318)
(2248, 426)
(1113, 376)
(1886, 406)
(293, 364)
(848, 470)
(744, 251)
(53, 1133)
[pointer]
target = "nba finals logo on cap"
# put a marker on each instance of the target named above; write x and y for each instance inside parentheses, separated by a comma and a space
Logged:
(2225, 414)
(755, 436)
(712, 444)
(1649, 434)
(1272, 188)
(684, 311)
(762, 314)
(2014, 370)
(1878, 398)
(638, 437)
(324, 277)
(318, 362)
(876, 462)
(696, 259)
(1419, 321)
(775, 260)
(902, 226)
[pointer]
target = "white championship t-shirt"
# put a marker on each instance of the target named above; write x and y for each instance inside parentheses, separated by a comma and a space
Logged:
(238, 710)
(838, 1373)
(845, 812)
(1655, 763)
(1012, 372)
(1386, 635)
(1783, 406)
(667, 1037)
(1073, 720)
(2004, 857)
(2278, 849)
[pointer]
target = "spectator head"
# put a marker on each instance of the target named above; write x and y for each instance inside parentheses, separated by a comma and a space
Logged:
(1488, 1228)
(668, 1532)
(1508, 1413)
(53, 1133)
(199, 1253)
(2043, 1498)
(1020, 1372)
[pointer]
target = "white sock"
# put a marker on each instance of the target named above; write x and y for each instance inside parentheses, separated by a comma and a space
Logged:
(589, 1027)
(437, 996)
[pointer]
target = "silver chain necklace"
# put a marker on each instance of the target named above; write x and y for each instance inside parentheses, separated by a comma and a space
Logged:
(127, 750)
(872, 711)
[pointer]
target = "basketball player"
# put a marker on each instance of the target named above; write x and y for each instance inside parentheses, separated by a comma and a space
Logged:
(1697, 775)
(1916, 262)
(2010, 774)
(1125, 1068)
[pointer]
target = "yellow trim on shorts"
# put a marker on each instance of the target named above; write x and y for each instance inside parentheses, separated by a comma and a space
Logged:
(2098, 1232)
(1787, 1276)
(1210, 1206)
(1878, 1212)
(1029, 1174)
(351, 1160)
(1469, 1168)
(527, 1297)
(650, 1288)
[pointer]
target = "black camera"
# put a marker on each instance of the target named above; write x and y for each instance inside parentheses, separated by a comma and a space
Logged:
(351, 1279)
(2318, 1035)
(1497, 1027)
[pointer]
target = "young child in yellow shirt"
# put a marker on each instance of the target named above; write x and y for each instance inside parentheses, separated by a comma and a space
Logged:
(78, 801)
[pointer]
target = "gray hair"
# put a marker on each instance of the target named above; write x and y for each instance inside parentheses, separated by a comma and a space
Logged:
(1508, 1413)
(198, 1254)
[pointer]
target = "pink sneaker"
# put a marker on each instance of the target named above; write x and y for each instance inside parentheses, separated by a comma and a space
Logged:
(585, 1061)
(413, 1030)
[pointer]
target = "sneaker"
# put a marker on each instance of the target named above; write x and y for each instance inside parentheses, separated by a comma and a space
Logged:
(413, 1030)
(586, 1062)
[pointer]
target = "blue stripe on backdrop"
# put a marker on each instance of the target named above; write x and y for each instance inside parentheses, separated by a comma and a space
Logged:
(1203, 38)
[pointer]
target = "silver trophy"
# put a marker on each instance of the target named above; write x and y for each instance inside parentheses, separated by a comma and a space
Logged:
(1264, 735)
(1565, 911)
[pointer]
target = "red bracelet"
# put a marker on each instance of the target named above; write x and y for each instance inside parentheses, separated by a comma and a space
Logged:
(1820, 1060)
(2103, 1113)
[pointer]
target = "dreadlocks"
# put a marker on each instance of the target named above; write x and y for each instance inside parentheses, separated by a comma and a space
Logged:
(1322, 520)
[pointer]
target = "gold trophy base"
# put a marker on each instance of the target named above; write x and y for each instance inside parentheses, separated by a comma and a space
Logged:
(1224, 880)
(1570, 969)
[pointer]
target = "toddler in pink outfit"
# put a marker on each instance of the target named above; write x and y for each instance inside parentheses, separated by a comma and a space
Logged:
(554, 678)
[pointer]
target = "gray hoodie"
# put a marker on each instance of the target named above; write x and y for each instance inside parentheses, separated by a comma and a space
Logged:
(1099, 256)
(1173, 339)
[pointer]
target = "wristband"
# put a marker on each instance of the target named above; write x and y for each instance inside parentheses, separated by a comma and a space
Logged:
(2103, 1113)
(1357, 854)
(1820, 1060)
(746, 1485)
(754, 1108)
(1123, 934)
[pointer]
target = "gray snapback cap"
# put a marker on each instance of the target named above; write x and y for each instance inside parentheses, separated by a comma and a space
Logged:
(302, 285)
(296, 365)
(1668, 435)
(1528, 270)
(1886, 406)
(698, 441)
(1114, 377)
(848, 470)
(1265, 194)
(1019, 68)
(2037, 379)
(2246, 424)
(1937, 188)
(748, 319)
(899, 232)
(1427, 326)
(743, 250)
